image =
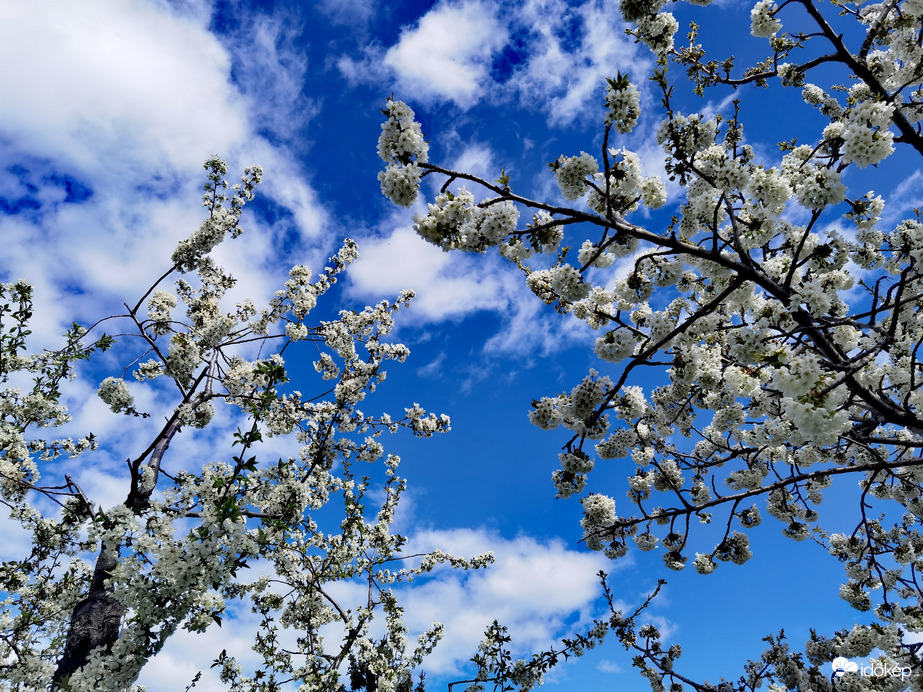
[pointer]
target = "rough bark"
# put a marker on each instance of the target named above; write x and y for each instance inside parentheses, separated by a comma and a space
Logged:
(94, 623)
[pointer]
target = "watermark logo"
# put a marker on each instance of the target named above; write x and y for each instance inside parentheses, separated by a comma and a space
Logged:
(841, 666)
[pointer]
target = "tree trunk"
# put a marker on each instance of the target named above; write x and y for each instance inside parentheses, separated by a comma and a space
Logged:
(96, 619)
(94, 623)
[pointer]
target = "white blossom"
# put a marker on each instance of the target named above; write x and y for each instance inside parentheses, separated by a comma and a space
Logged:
(400, 183)
(114, 392)
(624, 104)
(762, 22)
(572, 173)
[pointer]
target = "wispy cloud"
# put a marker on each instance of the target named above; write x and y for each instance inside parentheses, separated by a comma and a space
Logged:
(607, 666)
(434, 367)
(529, 329)
(907, 196)
(571, 50)
(270, 72)
(349, 12)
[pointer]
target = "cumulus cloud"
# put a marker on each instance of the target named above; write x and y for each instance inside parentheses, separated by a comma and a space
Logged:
(554, 56)
(115, 77)
(448, 52)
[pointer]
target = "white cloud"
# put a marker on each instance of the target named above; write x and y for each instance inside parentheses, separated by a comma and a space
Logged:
(531, 329)
(349, 12)
(17, 542)
(434, 367)
(270, 72)
(129, 98)
(448, 53)
(906, 197)
(369, 68)
(107, 81)
(187, 653)
(607, 666)
(450, 286)
(476, 159)
(447, 286)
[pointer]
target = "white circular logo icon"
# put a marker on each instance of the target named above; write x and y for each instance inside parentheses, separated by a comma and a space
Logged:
(841, 666)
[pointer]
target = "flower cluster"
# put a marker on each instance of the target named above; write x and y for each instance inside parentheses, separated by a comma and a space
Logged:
(456, 222)
(571, 174)
(867, 139)
(183, 358)
(763, 22)
(598, 512)
(402, 147)
(114, 392)
(815, 185)
(159, 310)
(401, 182)
(222, 221)
(623, 101)
(626, 186)
(657, 31)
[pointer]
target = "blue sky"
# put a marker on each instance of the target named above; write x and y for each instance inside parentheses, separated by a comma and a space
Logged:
(104, 126)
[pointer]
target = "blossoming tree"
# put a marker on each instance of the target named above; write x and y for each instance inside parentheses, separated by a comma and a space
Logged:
(785, 313)
(104, 587)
